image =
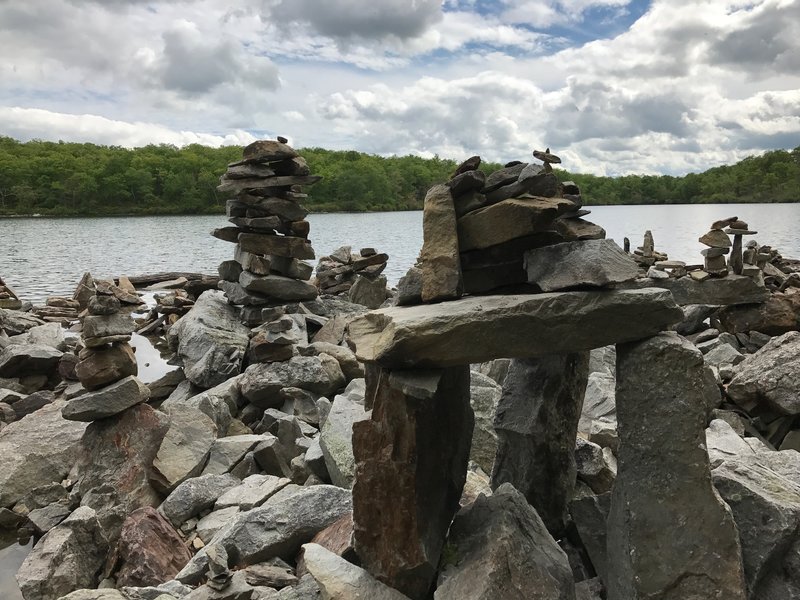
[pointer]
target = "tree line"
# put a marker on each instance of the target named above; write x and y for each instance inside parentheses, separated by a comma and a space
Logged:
(59, 178)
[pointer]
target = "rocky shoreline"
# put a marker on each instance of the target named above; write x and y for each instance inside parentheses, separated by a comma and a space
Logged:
(534, 412)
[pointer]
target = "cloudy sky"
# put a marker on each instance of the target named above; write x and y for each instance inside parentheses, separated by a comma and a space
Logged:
(613, 86)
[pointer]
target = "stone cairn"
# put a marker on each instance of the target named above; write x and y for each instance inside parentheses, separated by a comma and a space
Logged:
(8, 299)
(106, 364)
(482, 233)
(355, 274)
(269, 230)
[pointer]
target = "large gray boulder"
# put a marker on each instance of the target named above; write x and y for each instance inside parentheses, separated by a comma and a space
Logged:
(444, 334)
(17, 360)
(210, 340)
(771, 375)
(15, 322)
(500, 548)
(336, 440)
(578, 264)
(37, 450)
(195, 495)
(278, 528)
(763, 492)
(69, 557)
(536, 423)
(341, 580)
(720, 291)
(484, 395)
(661, 414)
(262, 382)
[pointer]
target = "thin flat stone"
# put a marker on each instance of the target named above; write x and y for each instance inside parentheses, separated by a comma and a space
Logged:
(475, 330)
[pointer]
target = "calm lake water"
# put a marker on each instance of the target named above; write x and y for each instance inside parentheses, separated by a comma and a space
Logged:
(40, 257)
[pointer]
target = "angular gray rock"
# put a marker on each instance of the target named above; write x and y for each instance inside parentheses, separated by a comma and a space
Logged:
(228, 451)
(278, 286)
(368, 291)
(484, 395)
(278, 528)
(444, 334)
(15, 322)
(763, 492)
(253, 491)
(218, 403)
(336, 440)
(589, 513)
(17, 360)
(599, 403)
(661, 414)
(37, 451)
(579, 264)
(262, 383)
(49, 334)
(210, 340)
(536, 424)
(196, 495)
(184, 449)
(69, 557)
(97, 326)
(500, 548)
(107, 402)
(771, 375)
(341, 580)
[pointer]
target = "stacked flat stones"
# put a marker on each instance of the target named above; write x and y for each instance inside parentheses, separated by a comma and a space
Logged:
(719, 245)
(355, 274)
(107, 364)
(269, 229)
(478, 230)
(646, 255)
(8, 299)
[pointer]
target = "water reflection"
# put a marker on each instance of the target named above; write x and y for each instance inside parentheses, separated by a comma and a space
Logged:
(12, 553)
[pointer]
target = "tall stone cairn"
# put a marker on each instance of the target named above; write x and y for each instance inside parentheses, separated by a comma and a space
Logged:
(268, 228)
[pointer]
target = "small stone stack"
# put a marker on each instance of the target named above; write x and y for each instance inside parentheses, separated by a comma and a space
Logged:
(8, 299)
(719, 244)
(269, 229)
(107, 363)
(477, 229)
(357, 274)
(737, 229)
(646, 255)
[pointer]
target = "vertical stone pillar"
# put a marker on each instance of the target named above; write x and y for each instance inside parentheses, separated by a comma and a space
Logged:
(441, 264)
(536, 423)
(736, 255)
(670, 536)
(411, 463)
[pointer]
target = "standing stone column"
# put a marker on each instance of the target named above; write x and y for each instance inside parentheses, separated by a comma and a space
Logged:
(441, 268)
(536, 423)
(411, 463)
(670, 536)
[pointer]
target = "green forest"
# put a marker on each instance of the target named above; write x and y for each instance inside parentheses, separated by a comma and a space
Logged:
(61, 179)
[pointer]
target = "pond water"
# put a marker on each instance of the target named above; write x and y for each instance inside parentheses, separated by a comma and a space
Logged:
(40, 257)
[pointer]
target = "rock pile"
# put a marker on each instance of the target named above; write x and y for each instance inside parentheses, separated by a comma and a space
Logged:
(354, 274)
(269, 229)
(106, 364)
(8, 299)
(479, 230)
(646, 255)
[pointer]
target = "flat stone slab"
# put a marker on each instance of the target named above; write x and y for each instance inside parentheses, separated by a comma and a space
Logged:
(482, 328)
(723, 291)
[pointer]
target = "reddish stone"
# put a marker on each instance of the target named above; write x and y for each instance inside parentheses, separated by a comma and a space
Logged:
(150, 550)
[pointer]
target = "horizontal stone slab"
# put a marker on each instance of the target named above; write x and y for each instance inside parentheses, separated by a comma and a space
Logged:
(277, 245)
(482, 328)
(722, 291)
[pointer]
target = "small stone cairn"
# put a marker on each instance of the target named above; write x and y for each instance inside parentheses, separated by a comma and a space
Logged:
(518, 227)
(269, 230)
(107, 363)
(719, 245)
(356, 274)
(8, 299)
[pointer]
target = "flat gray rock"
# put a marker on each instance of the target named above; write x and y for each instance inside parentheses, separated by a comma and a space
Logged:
(184, 450)
(579, 264)
(195, 495)
(17, 360)
(319, 374)
(49, 334)
(719, 291)
(108, 401)
(252, 492)
(278, 286)
(444, 334)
